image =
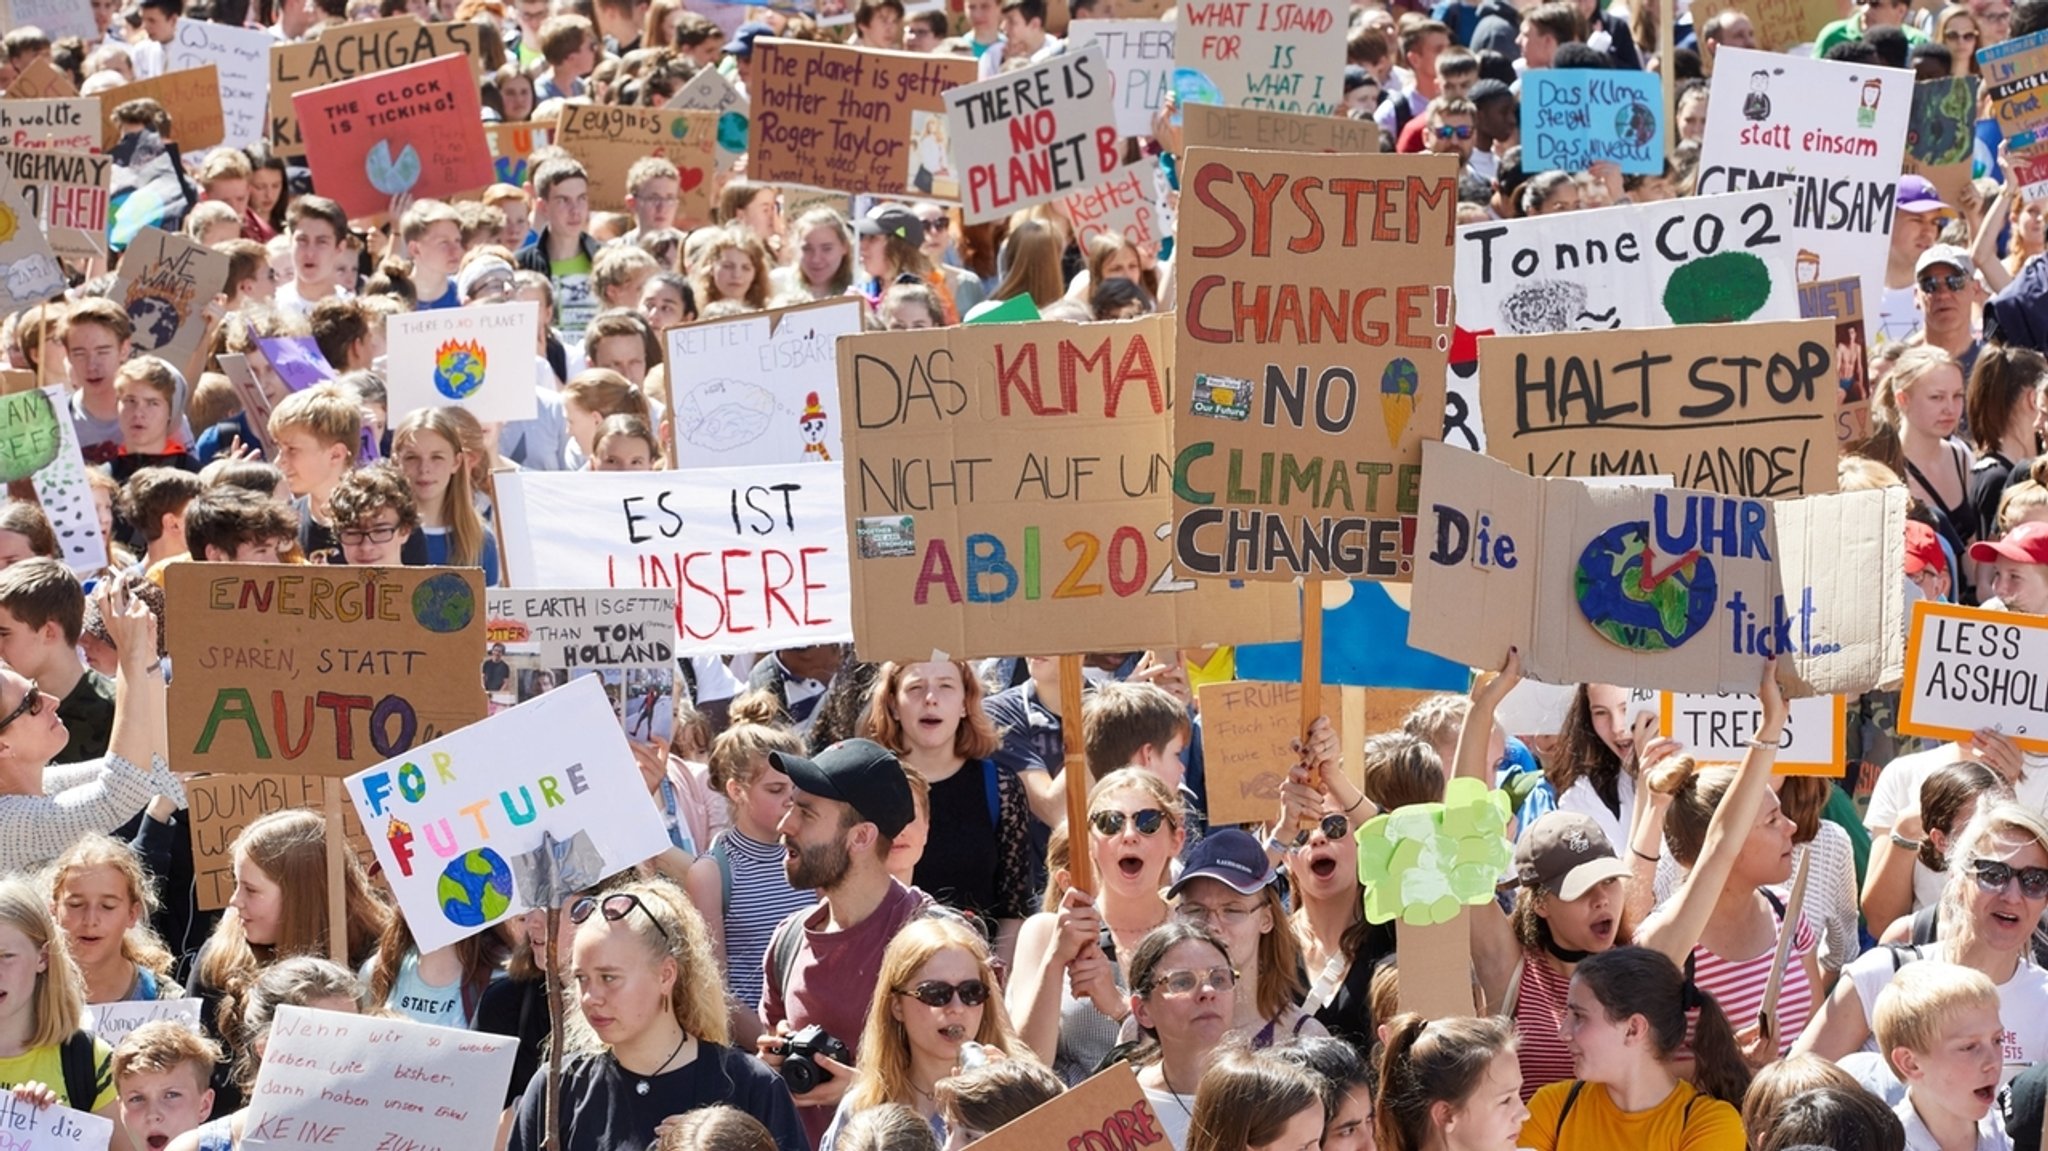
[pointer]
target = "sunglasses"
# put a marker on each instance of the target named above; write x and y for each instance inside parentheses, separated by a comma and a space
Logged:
(1993, 876)
(1958, 35)
(615, 908)
(1218, 979)
(932, 993)
(1111, 823)
(1333, 826)
(31, 704)
(1454, 132)
(1954, 282)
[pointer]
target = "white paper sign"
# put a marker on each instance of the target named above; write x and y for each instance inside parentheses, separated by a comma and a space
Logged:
(243, 57)
(1717, 729)
(66, 495)
(1121, 204)
(1279, 55)
(457, 821)
(1834, 132)
(1140, 58)
(480, 357)
(31, 1128)
(56, 18)
(710, 91)
(1968, 669)
(113, 1021)
(758, 556)
(362, 1083)
(1033, 135)
(626, 639)
(758, 388)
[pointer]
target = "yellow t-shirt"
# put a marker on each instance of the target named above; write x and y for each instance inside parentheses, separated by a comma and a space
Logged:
(1595, 1122)
(45, 1065)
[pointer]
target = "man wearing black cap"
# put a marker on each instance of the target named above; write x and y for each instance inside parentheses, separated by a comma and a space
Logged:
(851, 800)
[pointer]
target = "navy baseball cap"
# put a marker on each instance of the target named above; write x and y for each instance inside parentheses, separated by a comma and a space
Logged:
(1232, 857)
(742, 42)
(859, 773)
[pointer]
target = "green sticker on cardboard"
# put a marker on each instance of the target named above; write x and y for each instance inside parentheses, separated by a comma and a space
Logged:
(29, 435)
(1424, 862)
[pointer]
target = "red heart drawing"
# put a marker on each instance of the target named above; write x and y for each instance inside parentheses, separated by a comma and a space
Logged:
(691, 177)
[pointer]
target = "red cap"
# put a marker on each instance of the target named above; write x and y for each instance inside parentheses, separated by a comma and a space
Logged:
(1923, 549)
(2026, 544)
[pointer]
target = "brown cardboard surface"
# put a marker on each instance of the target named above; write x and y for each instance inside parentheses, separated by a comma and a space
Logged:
(1006, 494)
(347, 50)
(1215, 126)
(220, 806)
(1247, 730)
(1742, 409)
(1315, 357)
(608, 140)
(165, 284)
(1108, 1110)
(41, 81)
(1504, 560)
(322, 670)
(1779, 24)
(191, 96)
(1435, 964)
(847, 119)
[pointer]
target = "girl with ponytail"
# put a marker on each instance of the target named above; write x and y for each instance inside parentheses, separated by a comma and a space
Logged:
(1450, 1085)
(1624, 1020)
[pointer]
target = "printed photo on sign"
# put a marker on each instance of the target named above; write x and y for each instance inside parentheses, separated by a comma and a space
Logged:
(539, 641)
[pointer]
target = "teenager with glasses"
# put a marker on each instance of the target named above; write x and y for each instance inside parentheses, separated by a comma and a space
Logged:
(1067, 988)
(650, 994)
(1229, 887)
(374, 516)
(936, 992)
(1183, 990)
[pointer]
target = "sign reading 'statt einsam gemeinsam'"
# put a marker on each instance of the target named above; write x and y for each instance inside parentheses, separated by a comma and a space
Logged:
(1968, 669)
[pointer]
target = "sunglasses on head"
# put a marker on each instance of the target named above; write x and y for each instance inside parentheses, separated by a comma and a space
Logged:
(1993, 875)
(1454, 131)
(614, 908)
(1111, 823)
(1334, 827)
(933, 993)
(1954, 282)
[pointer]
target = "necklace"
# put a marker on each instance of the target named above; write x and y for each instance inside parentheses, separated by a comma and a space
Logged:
(641, 1088)
(1178, 1098)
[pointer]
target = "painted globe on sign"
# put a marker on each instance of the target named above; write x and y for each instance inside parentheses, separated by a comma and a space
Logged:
(475, 888)
(443, 603)
(732, 131)
(458, 373)
(1646, 611)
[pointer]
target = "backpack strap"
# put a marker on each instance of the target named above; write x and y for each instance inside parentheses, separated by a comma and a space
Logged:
(81, 1070)
(1926, 924)
(782, 954)
(718, 852)
(994, 787)
(1570, 1097)
(1777, 905)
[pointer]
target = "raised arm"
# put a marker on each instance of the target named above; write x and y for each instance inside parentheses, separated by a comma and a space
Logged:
(1495, 950)
(1888, 888)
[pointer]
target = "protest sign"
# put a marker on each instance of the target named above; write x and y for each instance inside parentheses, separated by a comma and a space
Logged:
(2015, 73)
(67, 192)
(480, 357)
(512, 146)
(1741, 409)
(319, 670)
(458, 822)
(297, 360)
(757, 555)
(1106, 1110)
(1262, 130)
(1010, 496)
(1247, 730)
(1120, 204)
(1834, 132)
(1969, 668)
(54, 18)
(852, 119)
(111, 1022)
(33, 1128)
(1292, 318)
(71, 124)
(1717, 727)
(1033, 135)
(710, 91)
(1659, 588)
(1139, 56)
(1365, 644)
(1941, 134)
(1778, 24)
(1842, 301)
(241, 57)
(609, 139)
(346, 50)
(358, 1081)
(1574, 118)
(256, 401)
(66, 495)
(414, 131)
(190, 96)
(540, 640)
(1282, 55)
(29, 438)
(41, 81)
(29, 273)
(221, 806)
(746, 388)
(165, 284)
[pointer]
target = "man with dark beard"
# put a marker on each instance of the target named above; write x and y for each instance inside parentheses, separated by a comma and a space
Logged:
(850, 802)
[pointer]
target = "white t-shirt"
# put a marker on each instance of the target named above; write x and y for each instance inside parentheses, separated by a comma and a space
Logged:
(1991, 1133)
(1581, 798)
(2022, 1003)
(1174, 1112)
(1898, 315)
(1898, 787)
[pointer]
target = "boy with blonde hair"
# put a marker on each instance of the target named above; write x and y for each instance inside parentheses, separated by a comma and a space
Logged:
(318, 433)
(146, 399)
(161, 1075)
(1938, 1027)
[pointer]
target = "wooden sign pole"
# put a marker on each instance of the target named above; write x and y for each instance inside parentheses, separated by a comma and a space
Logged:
(337, 878)
(1080, 872)
(551, 1114)
(1667, 16)
(1311, 658)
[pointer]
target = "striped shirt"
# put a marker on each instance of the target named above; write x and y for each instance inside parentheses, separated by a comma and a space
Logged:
(1539, 1005)
(1739, 985)
(759, 898)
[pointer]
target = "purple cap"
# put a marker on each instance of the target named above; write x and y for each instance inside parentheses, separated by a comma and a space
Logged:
(1917, 194)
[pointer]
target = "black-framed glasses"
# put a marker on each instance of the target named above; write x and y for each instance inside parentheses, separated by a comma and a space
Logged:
(1954, 282)
(1177, 983)
(934, 993)
(381, 534)
(1111, 823)
(31, 704)
(614, 908)
(1454, 131)
(1334, 826)
(1992, 875)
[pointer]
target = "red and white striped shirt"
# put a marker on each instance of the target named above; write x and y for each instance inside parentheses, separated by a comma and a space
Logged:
(1739, 985)
(1539, 1004)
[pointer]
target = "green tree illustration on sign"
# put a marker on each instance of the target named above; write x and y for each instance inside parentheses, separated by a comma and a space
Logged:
(1425, 862)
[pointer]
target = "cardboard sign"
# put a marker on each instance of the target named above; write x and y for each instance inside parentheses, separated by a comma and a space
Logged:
(192, 97)
(627, 639)
(41, 80)
(72, 124)
(853, 119)
(480, 357)
(1316, 346)
(1717, 727)
(1279, 55)
(710, 91)
(1779, 24)
(1669, 589)
(1941, 134)
(1835, 132)
(319, 670)
(2016, 74)
(1842, 301)
(55, 18)
(745, 388)
(29, 273)
(1033, 135)
(165, 284)
(1247, 728)
(355, 49)
(221, 806)
(414, 131)
(111, 1022)
(1576, 118)
(1263, 130)
(1121, 204)
(1139, 56)
(456, 821)
(32, 1128)
(67, 191)
(757, 555)
(1741, 409)
(241, 58)
(1010, 496)
(333, 1080)
(29, 437)
(1108, 1109)
(66, 495)
(512, 146)
(1968, 669)
(609, 140)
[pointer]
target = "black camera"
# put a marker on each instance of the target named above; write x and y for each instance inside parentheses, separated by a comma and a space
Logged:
(800, 1058)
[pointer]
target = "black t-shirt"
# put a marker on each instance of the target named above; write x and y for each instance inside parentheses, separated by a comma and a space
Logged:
(1348, 1014)
(961, 851)
(602, 1111)
(317, 540)
(517, 1008)
(497, 673)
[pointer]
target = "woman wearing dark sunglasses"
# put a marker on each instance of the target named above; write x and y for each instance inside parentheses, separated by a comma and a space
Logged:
(1067, 989)
(1997, 889)
(936, 993)
(650, 993)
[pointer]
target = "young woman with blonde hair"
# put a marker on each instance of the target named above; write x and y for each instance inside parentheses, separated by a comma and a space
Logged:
(1914, 413)
(103, 899)
(42, 1000)
(428, 447)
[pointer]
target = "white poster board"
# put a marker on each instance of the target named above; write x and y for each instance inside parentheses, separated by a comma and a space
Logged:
(626, 639)
(32, 1128)
(1121, 204)
(66, 495)
(1716, 728)
(1033, 135)
(710, 91)
(112, 1022)
(480, 357)
(757, 389)
(1279, 55)
(242, 56)
(1968, 669)
(1139, 54)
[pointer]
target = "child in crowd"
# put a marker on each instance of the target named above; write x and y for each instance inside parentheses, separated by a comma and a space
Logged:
(318, 433)
(428, 445)
(374, 516)
(146, 395)
(161, 1071)
(625, 443)
(1938, 1027)
(153, 502)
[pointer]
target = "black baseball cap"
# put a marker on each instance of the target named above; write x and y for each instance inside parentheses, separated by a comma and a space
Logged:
(859, 773)
(891, 220)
